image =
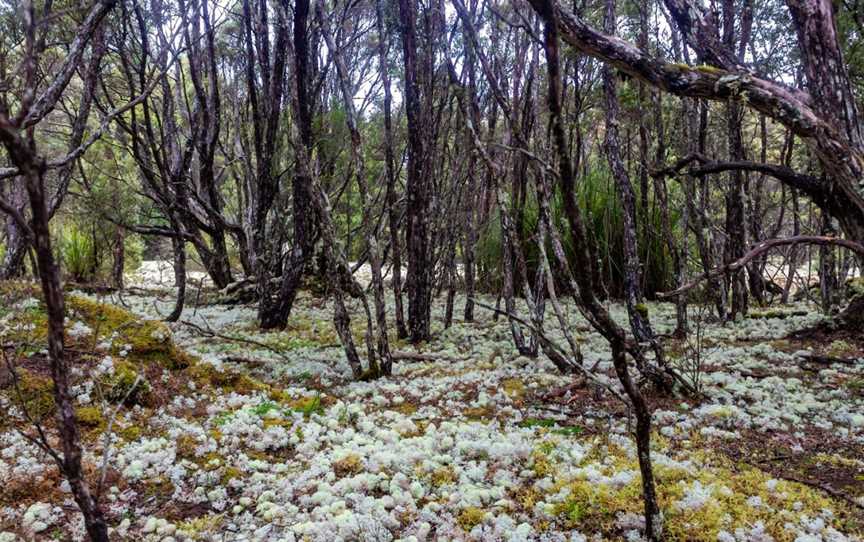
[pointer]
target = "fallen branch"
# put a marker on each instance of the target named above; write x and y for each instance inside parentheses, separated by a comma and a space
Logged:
(418, 356)
(209, 332)
(810, 483)
(827, 360)
(554, 347)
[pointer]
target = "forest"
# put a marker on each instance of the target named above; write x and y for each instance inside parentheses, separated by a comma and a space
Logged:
(432, 270)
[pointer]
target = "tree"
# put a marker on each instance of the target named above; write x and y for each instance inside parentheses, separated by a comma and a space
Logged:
(825, 119)
(417, 181)
(17, 137)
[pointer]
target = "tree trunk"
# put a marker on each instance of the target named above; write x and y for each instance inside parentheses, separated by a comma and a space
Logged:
(274, 313)
(632, 266)
(417, 184)
(829, 284)
(16, 242)
(736, 234)
(392, 212)
(178, 246)
(119, 263)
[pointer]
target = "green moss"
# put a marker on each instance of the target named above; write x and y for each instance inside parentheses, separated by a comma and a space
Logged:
(307, 405)
(91, 417)
(36, 392)
(372, 373)
(840, 349)
(130, 433)
(126, 383)
(642, 309)
(855, 287)
(470, 518)
(774, 313)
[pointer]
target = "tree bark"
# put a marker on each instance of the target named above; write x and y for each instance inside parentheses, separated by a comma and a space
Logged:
(636, 311)
(392, 212)
(598, 316)
(274, 314)
(417, 184)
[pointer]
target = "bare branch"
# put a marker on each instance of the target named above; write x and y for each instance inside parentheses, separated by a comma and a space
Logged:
(760, 249)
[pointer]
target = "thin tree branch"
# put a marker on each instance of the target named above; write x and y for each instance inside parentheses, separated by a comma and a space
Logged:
(760, 249)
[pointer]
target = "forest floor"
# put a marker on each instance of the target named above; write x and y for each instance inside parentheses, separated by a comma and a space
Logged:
(228, 433)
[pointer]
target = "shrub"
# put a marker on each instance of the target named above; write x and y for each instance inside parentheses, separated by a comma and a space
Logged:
(604, 222)
(77, 254)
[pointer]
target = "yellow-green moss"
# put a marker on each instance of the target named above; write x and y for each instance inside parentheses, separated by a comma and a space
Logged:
(443, 476)
(36, 392)
(130, 433)
(680, 67)
(90, 417)
(226, 380)
(711, 70)
(405, 408)
(349, 465)
(478, 413)
(159, 488)
(230, 473)
(514, 388)
(203, 525)
(148, 340)
(594, 506)
(126, 384)
(306, 405)
(186, 445)
(470, 518)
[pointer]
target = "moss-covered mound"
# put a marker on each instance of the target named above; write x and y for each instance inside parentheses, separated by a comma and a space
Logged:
(115, 357)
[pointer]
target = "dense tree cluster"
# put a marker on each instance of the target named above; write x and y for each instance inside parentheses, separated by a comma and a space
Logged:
(527, 149)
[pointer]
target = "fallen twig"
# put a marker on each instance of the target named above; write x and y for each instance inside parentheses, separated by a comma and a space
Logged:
(816, 485)
(551, 344)
(209, 332)
(419, 356)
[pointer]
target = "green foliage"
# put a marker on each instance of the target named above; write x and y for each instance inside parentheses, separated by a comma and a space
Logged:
(604, 222)
(77, 254)
(134, 247)
(548, 423)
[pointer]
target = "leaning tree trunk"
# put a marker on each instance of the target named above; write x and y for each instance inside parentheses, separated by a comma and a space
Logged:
(598, 316)
(33, 170)
(392, 213)
(369, 227)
